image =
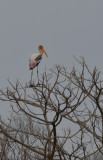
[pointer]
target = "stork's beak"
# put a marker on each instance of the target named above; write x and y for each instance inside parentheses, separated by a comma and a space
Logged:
(45, 52)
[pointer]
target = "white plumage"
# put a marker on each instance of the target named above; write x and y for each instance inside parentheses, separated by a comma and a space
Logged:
(36, 58)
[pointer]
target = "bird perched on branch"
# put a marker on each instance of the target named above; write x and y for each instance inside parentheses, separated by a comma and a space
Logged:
(35, 59)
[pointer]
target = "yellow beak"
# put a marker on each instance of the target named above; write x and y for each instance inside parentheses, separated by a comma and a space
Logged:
(45, 52)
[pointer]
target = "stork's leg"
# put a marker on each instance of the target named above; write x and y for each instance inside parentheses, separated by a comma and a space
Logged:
(37, 74)
(31, 75)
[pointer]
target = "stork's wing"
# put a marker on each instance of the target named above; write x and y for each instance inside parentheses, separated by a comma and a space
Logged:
(38, 58)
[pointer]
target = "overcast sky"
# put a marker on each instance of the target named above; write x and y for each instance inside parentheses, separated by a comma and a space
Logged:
(65, 28)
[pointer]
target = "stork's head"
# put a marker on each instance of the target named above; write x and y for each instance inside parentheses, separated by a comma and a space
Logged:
(41, 50)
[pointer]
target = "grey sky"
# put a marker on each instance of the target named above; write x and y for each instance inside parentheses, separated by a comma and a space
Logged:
(66, 28)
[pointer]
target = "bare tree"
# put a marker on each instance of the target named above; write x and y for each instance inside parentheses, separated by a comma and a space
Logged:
(60, 117)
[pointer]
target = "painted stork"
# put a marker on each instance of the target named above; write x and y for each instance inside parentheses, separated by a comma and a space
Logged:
(35, 59)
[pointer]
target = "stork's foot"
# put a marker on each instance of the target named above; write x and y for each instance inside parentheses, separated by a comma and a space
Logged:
(31, 84)
(38, 84)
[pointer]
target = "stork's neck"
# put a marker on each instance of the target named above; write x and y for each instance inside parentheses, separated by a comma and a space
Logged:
(41, 52)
